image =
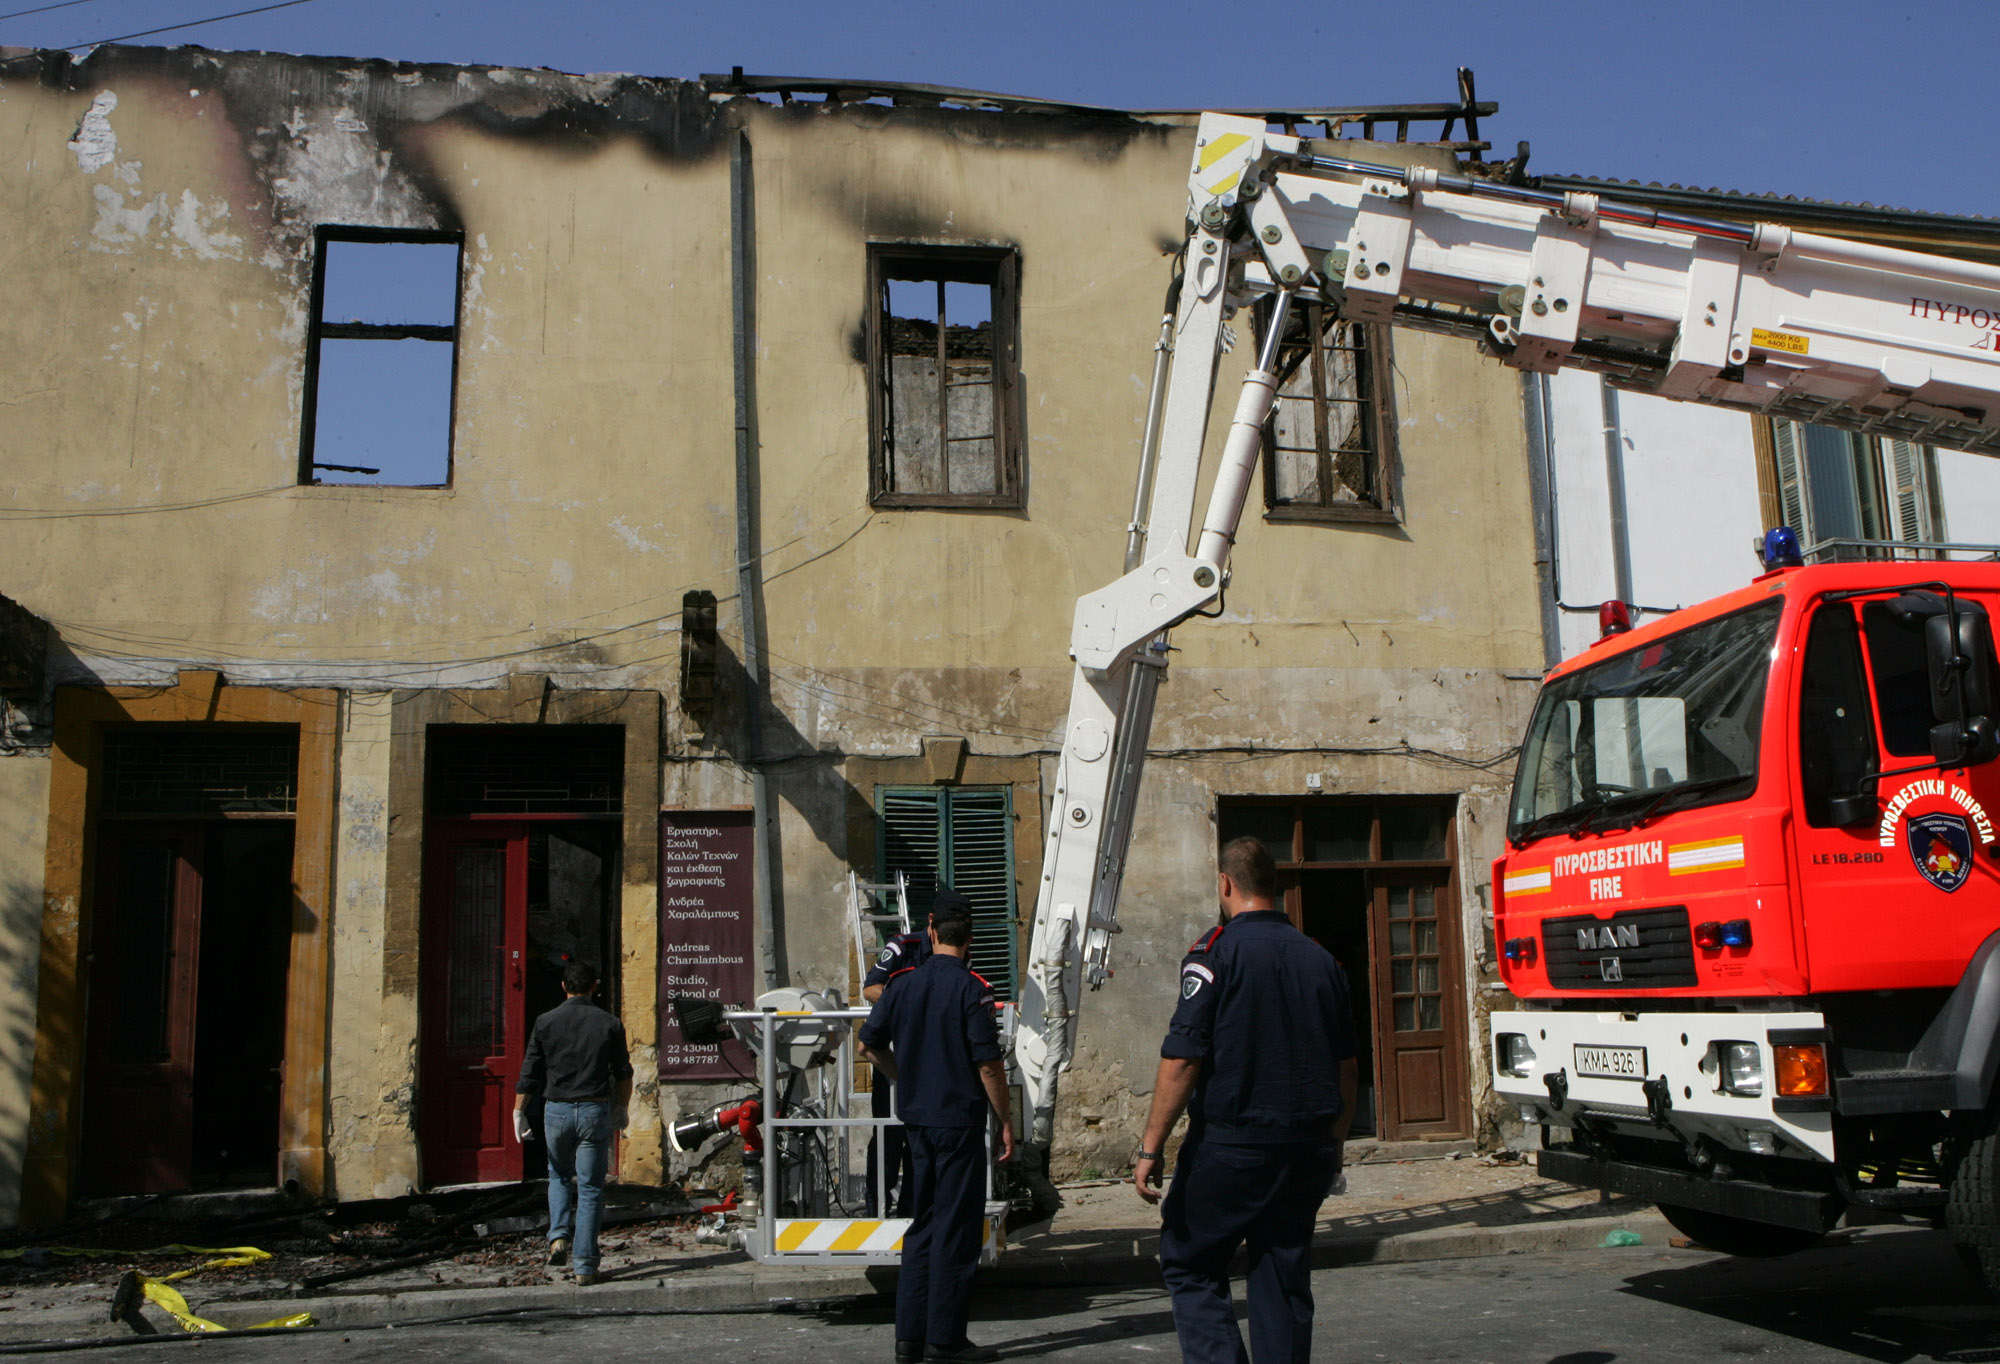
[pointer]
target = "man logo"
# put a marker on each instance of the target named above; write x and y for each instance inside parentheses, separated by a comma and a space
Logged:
(1607, 935)
(1610, 968)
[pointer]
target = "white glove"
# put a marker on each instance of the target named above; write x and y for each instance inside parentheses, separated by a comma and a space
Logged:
(522, 1133)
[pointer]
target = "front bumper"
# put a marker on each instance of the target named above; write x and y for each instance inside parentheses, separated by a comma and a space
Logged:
(1673, 1091)
(1801, 1208)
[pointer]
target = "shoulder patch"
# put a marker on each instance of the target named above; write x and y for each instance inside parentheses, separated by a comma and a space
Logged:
(1207, 940)
(888, 954)
(1193, 977)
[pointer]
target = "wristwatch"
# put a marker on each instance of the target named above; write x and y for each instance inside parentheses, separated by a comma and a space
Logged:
(1151, 1155)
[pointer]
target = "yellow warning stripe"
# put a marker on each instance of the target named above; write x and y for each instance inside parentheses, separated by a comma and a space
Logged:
(1221, 147)
(855, 1236)
(793, 1234)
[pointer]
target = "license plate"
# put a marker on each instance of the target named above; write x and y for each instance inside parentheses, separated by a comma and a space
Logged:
(1612, 1063)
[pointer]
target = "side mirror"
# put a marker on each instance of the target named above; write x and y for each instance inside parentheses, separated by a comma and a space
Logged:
(1961, 677)
(1849, 812)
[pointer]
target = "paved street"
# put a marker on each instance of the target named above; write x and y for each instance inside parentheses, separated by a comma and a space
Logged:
(1889, 1297)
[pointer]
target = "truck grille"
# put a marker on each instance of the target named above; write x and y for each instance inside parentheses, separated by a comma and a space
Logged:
(1638, 949)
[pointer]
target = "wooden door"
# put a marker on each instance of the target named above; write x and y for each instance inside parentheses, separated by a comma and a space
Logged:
(138, 1119)
(474, 1000)
(1419, 1006)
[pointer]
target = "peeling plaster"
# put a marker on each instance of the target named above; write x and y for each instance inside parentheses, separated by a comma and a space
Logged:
(95, 145)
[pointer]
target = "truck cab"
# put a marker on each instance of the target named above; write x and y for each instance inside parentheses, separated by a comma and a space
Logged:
(1751, 901)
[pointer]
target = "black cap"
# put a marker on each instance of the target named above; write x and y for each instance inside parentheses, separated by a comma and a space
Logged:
(950, 899)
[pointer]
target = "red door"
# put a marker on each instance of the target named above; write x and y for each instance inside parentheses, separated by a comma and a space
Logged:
(138, 1127)
(474, 1000)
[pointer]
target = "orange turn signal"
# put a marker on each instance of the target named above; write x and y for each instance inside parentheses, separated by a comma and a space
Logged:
(1801, 1070)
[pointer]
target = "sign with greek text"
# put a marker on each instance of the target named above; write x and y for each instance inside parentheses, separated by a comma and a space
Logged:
(708, 932)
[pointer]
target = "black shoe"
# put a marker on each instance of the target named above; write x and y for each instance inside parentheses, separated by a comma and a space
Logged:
(909, 1352)
(965, 1352)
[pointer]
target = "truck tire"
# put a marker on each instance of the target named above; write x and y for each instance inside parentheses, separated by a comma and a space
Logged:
(1972, 1208)
(1737, 1235)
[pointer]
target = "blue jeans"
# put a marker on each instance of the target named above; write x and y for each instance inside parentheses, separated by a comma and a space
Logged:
(579, 1139)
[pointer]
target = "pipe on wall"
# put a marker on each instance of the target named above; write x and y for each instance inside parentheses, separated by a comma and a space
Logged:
(749, 589)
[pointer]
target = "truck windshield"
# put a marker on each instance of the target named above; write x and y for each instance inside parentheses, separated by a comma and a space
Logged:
(1666, 726)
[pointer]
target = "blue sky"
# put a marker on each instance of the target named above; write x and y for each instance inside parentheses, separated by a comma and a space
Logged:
(1882, 103)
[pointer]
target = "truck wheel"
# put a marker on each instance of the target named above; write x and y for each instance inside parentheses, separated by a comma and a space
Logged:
(1737, 1235)
(1972, 1209)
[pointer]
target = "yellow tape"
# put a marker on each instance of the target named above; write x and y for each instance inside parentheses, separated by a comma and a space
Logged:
(177, 1308)
(157, 1290)
(234, 1256)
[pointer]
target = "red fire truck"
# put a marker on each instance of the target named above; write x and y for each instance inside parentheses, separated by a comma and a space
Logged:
(1751, 903)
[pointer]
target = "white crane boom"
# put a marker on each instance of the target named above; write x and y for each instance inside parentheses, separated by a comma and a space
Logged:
(1756, 317)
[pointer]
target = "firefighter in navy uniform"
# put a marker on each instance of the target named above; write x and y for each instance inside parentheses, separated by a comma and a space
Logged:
(904, 952)
(933, 1035)
(1260, 1053)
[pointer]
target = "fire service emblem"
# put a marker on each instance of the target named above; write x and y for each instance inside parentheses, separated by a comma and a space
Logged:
(1941, 846)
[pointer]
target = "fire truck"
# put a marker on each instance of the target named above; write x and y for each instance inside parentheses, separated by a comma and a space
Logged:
(1750, 902)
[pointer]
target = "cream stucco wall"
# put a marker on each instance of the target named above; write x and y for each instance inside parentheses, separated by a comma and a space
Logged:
(159, 243)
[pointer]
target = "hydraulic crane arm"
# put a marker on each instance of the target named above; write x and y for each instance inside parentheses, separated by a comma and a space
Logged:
(1755, 317)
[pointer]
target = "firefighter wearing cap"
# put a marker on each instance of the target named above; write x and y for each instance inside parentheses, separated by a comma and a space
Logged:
(1260, 1053)
(934, 1035)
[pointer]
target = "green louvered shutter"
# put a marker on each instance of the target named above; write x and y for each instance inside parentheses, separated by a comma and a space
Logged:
(961, 837)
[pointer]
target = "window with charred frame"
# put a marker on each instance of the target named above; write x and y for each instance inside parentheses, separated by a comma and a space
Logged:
(381, 358)
(1330, 445)
(942, 356)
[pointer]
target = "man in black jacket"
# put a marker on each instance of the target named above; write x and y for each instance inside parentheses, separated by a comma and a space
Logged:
(578, 1063)
(1260, 1053)
(933, 1034)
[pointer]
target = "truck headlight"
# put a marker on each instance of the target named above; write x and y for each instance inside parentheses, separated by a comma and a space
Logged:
(1740, 1067)
(1517, 1058)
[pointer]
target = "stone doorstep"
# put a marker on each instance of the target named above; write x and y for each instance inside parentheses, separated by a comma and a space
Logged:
(1367, 1151)
(746, 1285)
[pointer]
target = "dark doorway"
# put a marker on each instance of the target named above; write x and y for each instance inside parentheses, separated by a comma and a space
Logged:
(523, 840)
(239, 1031)
(1373, 881)
(191, 929)
(1334, 912)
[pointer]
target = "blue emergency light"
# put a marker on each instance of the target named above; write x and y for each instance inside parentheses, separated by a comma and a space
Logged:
(1781, 549)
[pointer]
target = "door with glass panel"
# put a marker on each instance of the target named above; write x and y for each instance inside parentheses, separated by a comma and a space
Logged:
(1419, 1023)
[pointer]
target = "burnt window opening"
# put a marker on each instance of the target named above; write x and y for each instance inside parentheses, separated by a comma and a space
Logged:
(1330, 444)
(525, 770)
(381, 358)
(943, 328)
(214, 770)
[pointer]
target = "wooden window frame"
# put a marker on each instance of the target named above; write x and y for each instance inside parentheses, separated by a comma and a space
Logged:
(963, 265)
(317, 330)
(1386, 506)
